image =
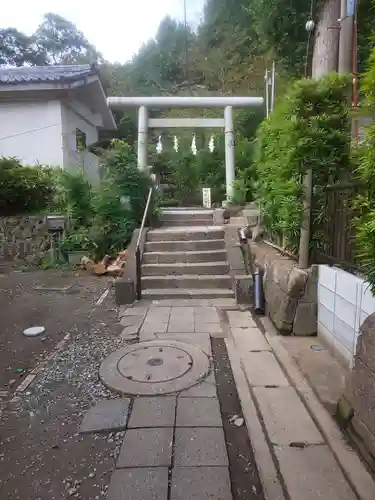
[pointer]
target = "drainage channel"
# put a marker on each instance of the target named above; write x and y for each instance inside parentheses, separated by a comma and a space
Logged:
(245, 482)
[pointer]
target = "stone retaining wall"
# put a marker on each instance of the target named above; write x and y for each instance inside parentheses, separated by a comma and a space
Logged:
(23, 237)
(290, 292)
(356, 408)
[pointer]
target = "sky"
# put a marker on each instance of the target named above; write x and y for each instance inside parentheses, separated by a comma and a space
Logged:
(117, 28)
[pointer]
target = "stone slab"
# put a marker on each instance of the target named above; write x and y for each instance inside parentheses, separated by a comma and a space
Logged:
(132, 311)
(139, 484)
(181, 325)
(250, 339)
(198, 412)
(241, 319)
(311, 473)
(196, 447)
(211, 328)
(206, 389)
(151, 328)
(153, 412)
(201, 340)
(146, 448)
(285, 417)
(129, 331)
(262, 369)
(200, 483)
(106, 416)
(131, 321)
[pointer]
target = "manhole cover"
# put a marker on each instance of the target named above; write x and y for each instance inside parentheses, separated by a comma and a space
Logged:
(155, 367)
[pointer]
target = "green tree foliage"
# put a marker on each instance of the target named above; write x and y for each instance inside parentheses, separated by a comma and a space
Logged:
(24, 189)
(17, 49)
(308, 129)
(364, 204)
(62, 42)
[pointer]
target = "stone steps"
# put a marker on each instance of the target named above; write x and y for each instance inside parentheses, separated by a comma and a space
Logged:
(186, 281)
(165, 257)
(190, 293)
(184, 245)
(189, 222)
(185, 268)
(186, 258)
(185, 234)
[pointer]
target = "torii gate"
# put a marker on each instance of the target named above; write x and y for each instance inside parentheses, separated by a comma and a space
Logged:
(144, 122)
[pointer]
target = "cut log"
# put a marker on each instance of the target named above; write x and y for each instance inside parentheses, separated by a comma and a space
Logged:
(115, 270)
(99, 269)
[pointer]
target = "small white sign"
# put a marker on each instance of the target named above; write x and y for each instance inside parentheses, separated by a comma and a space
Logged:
(206, 197)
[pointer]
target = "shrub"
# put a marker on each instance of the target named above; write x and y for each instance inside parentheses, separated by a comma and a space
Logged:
(364, 203)
(120, 200)
(24, 189)
(308, 129)
(76, 196)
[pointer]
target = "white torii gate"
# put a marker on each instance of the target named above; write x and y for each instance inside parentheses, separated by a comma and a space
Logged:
(144, 122)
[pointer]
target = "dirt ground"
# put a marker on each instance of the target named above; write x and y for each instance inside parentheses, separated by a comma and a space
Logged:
(42, 456)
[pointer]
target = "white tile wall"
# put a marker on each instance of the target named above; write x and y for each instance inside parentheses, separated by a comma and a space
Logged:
(344, 302)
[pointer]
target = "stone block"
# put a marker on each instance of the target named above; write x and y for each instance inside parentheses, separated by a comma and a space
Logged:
(240, 319)
(285, 417)
(132, 311)
(152, 328)
(129, 332)
(201, 340)
(360, 393)
(250, 339)
(106, 416)
(280, 307)
(205, 389)
(218, 217)
(131, 321)
(139, 484)
(198, 412)
(197, 447)
(311, 473)
(306, 319)
(146, 448)
(262, 369)
(153, 412)
(296, 283)
(124, 291)
(200, 483)
(367, 437)
(311, 289)
(366, 342)
(181, 325)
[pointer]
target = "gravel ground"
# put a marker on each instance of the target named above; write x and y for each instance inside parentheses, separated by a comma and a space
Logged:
(42, 456)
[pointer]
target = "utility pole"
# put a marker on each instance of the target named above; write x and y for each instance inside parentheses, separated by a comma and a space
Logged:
(346, 36)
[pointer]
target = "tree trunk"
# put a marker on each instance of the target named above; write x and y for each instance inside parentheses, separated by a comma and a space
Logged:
(327, 37)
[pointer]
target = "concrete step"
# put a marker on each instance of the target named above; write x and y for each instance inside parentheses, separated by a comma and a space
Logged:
(187, 211)
(187, 293)
(184, 245)
(189, 256)
(180, 234)
(186, 222)
(186, 281)
(183, 268)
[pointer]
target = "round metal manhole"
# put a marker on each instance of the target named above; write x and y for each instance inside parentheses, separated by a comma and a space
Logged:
(154, 367)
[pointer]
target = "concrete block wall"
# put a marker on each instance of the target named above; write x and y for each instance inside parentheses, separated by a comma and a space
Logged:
(344, 302)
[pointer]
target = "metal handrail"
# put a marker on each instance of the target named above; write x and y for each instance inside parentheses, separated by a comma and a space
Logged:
(137, 248)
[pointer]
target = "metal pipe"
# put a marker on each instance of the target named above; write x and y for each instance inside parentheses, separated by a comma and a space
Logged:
(267, 94)
(273, 86)
(258, 292)
(138, 272)
(184, 102)
(142, 137)
(229, 151)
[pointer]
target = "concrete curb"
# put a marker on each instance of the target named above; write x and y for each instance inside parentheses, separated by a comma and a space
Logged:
(354, 470)
(268, 474)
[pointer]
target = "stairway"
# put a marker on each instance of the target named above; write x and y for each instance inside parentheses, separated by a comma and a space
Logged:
(186, 258)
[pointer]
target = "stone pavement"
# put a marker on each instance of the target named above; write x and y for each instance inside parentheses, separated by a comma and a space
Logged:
(308, 469)
(175, 444)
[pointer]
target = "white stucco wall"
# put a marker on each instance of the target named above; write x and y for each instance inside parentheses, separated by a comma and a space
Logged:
(344, 302)
(32, 131)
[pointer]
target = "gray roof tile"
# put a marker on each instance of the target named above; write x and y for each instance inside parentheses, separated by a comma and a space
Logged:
(46, 74)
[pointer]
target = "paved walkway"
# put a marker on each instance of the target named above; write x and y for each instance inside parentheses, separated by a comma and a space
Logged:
(176, 447)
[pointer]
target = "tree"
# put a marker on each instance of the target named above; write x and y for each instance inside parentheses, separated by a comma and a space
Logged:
(17, 49)
(62, 42)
